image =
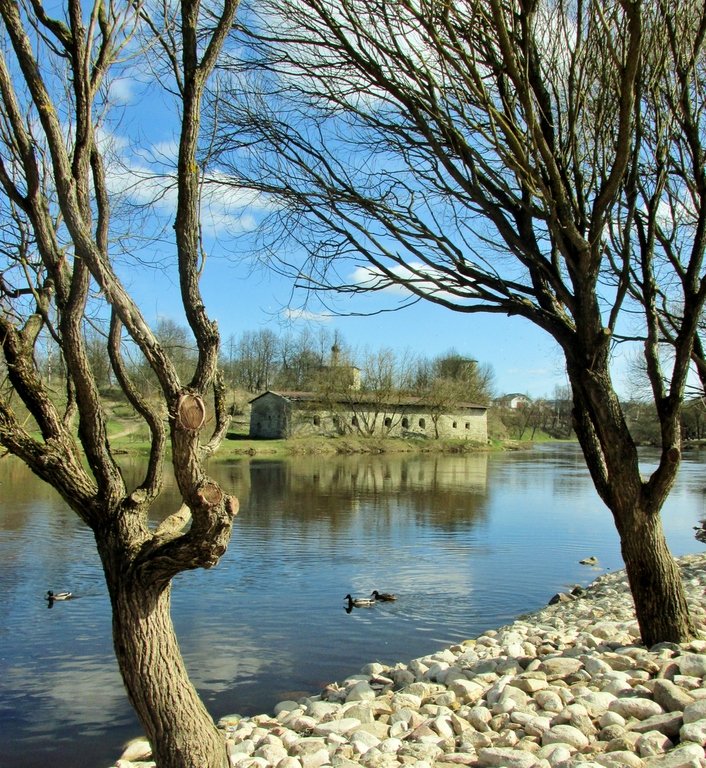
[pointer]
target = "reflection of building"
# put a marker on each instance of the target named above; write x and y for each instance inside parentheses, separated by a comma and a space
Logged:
(291, 414)
(450, 488)
(415, 474)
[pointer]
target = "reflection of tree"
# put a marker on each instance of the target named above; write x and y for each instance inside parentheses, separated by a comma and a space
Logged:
(569, 475)
(19, 487)
(444, 491)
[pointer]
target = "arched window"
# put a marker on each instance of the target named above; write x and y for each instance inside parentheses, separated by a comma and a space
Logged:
(455, 425)
(423, 423)
(354, 421)
(468, 425)
(405, 423)
(317, 421)
(388, 422)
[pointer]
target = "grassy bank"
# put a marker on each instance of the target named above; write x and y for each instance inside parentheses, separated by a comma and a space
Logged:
(130, 436)
(239, 445)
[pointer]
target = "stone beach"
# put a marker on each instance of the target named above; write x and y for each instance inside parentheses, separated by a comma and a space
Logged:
(567, 686)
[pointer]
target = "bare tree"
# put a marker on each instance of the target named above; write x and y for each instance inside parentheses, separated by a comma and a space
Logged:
(472, 382)
(448, 380)
(300, 361)
(57, 271)
(257, 357)
(372, 394)
(543, 160)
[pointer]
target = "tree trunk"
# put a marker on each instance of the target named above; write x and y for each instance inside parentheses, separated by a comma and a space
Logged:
(612, 459)
(655, 580)
(176, 722)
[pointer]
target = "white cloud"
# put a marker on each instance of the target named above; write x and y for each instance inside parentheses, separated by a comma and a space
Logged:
(306, 315)
(121, 91)
(424, 278)
(370, 277)
(145, 175)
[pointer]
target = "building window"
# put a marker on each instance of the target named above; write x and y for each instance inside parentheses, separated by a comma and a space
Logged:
(354, 421)
(423, 423)
(388, 421)
(455, 425)
(317, 421)
(405, 423)
(468, 425)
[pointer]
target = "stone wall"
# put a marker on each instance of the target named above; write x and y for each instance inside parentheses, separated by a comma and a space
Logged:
(468, 424)
(275, 416)
(269, 417)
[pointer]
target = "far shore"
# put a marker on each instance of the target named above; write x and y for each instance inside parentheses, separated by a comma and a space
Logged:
(238, 445)
(241, 445)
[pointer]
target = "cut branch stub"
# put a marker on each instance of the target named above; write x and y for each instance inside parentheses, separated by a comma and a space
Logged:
(190, 412)
(210, 494)
(232, 505)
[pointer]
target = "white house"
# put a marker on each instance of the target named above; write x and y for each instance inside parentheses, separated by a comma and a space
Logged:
(515, 401)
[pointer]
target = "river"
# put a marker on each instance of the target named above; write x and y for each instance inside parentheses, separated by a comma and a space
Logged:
(468, 542)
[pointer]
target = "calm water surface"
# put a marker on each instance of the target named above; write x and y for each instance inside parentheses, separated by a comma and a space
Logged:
(467, 542)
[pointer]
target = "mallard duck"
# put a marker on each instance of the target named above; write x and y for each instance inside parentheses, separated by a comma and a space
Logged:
(58, 596)
(383, 597)
(359, 602)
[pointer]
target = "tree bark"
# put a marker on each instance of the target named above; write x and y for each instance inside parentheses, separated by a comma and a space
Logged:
(655, 581)
(176, 722)
(612, 459)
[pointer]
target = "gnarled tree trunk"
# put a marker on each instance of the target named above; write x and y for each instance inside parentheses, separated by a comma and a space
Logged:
(59, 194)
(176, 722)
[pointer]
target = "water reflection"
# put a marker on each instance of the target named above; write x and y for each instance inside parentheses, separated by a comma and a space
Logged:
(444, 491)
(467, 542)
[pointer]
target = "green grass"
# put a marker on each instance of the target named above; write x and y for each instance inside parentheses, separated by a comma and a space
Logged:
(240, 445)
(129, 435)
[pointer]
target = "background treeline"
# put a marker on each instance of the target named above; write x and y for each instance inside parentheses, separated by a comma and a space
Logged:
(309, 360)
(306, 361)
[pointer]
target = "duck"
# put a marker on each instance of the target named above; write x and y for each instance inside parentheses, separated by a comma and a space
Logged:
(360, 602)
(593, 560)
(383, 597)
(51, 596)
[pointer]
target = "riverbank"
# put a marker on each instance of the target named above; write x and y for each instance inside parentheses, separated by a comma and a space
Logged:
(240, 446)
(567, 686)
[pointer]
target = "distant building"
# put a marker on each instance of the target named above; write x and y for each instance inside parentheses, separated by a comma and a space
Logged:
(347, 376)
(280, 415)
(515, 401)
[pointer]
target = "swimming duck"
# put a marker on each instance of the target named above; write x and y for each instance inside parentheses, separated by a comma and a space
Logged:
(383, 597)
(359, 602)
(593, 560)
(58, 596)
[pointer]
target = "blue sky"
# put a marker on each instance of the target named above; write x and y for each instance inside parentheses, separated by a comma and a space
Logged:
(523, 358)
(242, 298)
(246, 298)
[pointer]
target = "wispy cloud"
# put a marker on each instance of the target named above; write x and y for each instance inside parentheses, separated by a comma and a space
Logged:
(372, 278)
(145, 175)
(421, 276)
(121, 91)
(306, 315)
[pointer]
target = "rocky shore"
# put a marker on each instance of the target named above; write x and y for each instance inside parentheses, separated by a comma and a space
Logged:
(567, 686)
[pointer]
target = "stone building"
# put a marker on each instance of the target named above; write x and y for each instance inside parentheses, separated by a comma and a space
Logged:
(276, 415)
